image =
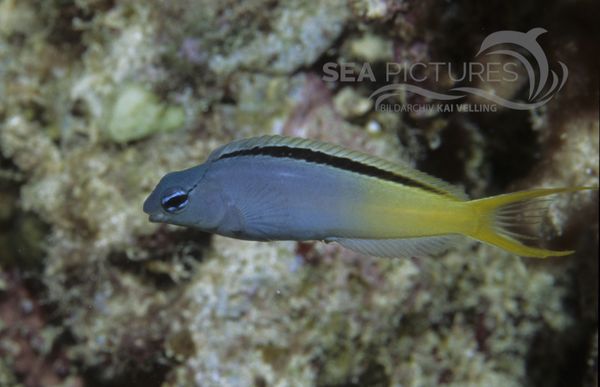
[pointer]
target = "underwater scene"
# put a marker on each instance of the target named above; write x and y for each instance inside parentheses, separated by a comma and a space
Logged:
(299, 193)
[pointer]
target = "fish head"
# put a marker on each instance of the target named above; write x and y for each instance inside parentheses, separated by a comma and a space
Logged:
(187, 198)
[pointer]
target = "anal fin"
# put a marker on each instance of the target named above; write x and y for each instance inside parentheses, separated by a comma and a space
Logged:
(405, 247)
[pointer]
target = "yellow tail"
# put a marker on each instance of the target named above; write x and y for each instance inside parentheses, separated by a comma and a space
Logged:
(500, 215)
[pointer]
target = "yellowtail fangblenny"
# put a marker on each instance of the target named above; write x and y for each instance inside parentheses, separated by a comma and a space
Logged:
(280, 188)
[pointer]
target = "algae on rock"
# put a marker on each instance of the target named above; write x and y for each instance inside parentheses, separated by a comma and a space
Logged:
(137, 114)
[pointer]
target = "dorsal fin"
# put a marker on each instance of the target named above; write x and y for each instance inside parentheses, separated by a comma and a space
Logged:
(402, 171)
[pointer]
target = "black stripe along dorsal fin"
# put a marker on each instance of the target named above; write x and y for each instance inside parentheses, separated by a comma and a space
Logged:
(337, 156)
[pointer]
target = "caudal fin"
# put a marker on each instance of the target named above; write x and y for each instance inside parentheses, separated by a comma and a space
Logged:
(501, 217)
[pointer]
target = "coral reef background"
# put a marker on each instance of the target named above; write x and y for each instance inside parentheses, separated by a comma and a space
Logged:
(100, 98)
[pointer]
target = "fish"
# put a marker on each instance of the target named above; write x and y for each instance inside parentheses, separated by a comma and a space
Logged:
(286, 188)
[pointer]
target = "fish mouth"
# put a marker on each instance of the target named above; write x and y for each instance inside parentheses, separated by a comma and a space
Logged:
(156, 218)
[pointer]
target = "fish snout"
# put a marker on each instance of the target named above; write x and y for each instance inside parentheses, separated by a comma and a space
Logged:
(152, 208)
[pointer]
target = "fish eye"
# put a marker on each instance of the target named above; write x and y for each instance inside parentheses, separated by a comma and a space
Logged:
(174, 200)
